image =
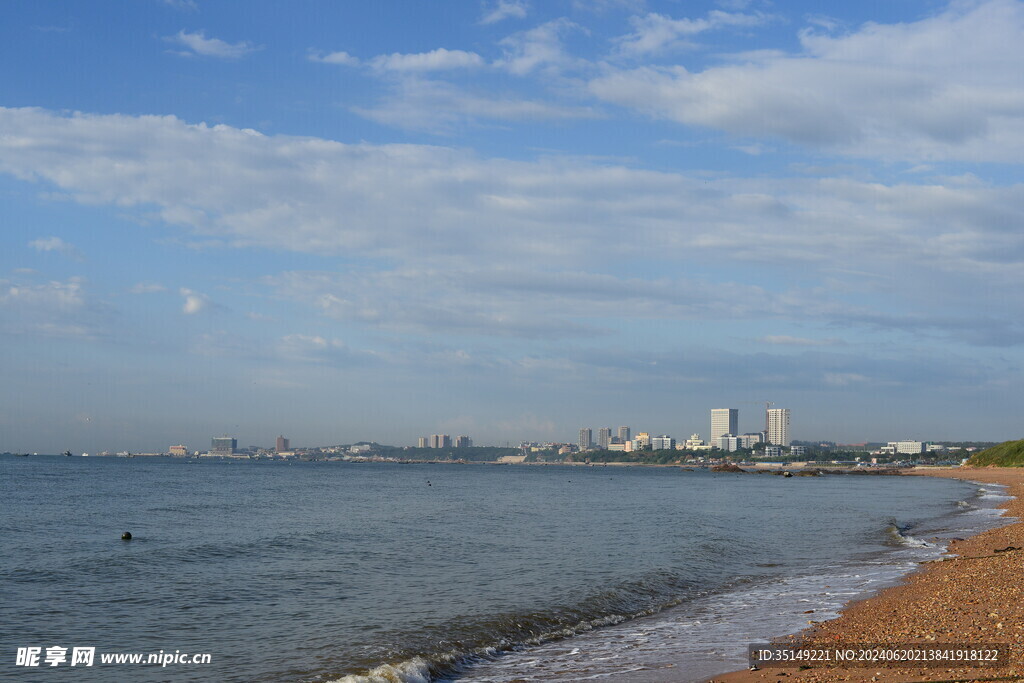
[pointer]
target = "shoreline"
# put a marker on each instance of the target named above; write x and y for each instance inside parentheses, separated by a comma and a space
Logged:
(976, 598)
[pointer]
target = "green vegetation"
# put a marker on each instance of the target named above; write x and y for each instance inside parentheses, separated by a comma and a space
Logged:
(664, 457)
(1008, 454)
(472, 454)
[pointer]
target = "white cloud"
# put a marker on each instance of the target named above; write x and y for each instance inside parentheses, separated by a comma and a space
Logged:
(194, 301)
(55, 244)
(198, 44)
(786, 340)
(656, 32)
(435, 60)
(415, 204)
(843, 379)
(440, 107)
(147, 288)
(538, 47)
(184, 5)
(50, 309)
(504, 9)
(945, 87)
(340, 57)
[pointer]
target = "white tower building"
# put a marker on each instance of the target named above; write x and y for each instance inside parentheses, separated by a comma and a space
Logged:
(778, 426)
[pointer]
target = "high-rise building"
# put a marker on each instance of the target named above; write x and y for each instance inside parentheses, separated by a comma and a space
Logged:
(421, 442)
(641, 441)
(282, 444)
(778, 426)
(623, 434)
(224, 445)
(663, 443)
(723, 421)
(463, 441)
(440, 441)
(586, 439)
(604, 437)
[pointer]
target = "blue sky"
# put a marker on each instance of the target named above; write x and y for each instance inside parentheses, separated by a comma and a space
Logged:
(508, 219)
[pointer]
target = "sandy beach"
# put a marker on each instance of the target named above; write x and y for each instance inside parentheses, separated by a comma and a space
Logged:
(975, 598)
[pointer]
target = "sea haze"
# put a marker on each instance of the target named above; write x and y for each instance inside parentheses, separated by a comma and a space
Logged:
(327, 571)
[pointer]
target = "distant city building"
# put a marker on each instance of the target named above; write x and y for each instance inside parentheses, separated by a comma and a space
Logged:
(282, 444)
(773, 451)
(604, 437)
(907, 447)
(421, 442)
(616, 447)
(695, 442)
(798, 451)
(729, 442)
(462, 441)
(642, 441)
(723, 421)
(751, 440)
(586, 441)
(179, 451)
(440, 441)
(624, 434)
(778, 426)
(224, 445)
(663, 443)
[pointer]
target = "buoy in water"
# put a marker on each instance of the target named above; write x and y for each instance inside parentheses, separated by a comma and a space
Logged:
(126, 536)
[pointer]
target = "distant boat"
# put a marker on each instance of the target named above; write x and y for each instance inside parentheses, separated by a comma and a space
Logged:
(22, 455)
(85, 455)
(67, 454)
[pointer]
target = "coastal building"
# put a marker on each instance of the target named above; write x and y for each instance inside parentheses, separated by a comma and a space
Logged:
(282, 445)
(729, 442)
(440, 441)
(695, 442)
(663, 443)
(723, 421)
(616, 447)
(421, 442)
(773, 451)
(907, 447)
(586, 441)
(604, 437)
(463, 441)
(797, 451)
(223, 445)
(623, 434)
(178, 451)
(642, 441)
(778, 426)
(751, 439)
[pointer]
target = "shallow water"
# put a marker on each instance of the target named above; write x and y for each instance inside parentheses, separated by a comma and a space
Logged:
(325, 571)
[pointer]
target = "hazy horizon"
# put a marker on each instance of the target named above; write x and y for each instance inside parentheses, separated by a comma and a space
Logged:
(508, 219)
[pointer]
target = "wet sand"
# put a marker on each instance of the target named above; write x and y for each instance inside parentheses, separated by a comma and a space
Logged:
(975, 598)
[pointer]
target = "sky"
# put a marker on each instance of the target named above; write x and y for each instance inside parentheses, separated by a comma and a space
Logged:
(508, 219)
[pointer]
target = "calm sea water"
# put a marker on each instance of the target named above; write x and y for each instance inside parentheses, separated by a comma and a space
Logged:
(338, 571)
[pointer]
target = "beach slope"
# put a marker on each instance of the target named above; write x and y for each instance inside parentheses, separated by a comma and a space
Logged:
(974, 598)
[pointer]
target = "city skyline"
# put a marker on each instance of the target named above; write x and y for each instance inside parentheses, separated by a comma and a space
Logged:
(508, 219)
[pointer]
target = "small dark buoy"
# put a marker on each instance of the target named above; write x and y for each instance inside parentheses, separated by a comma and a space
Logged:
(126, 536)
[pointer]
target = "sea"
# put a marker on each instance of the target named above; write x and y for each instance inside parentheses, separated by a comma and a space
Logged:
(358, 572)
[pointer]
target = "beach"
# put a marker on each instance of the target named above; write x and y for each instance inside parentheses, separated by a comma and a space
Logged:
(975, 598)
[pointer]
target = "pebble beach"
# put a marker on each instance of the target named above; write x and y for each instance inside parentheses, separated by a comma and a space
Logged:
(975, 596)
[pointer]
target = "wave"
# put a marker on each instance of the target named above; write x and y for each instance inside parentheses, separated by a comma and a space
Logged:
(900, 535)
(487, 639)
